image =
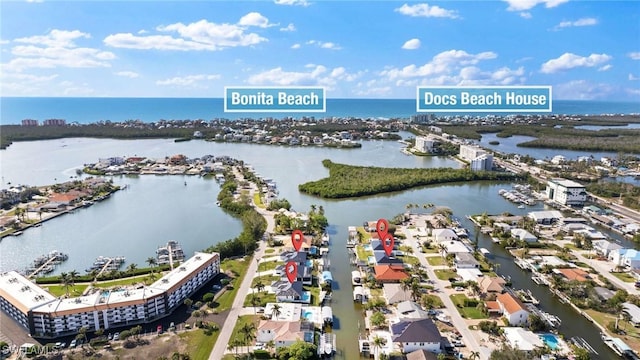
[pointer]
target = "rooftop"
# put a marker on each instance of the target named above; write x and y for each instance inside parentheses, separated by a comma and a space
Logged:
(21, 292)
(177, 275)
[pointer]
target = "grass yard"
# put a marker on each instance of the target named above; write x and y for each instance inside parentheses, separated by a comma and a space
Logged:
(411, 260)
(238, 267)
(266, 280)
(436, 261)
(624, 277)
(262, 298)
(242, 320)
(467, 312)
(257, 199)
(362, 253)
(445, 274)
(435, 301)
(633, 334)
(366, 237)
(269, 265)
(59, 290)
(199, 344)
(124, 282)
(269, 250)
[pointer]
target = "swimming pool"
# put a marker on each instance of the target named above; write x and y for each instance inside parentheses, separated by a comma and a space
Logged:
(307, 315)
(367, 247)
(371, 259)
(550, 340)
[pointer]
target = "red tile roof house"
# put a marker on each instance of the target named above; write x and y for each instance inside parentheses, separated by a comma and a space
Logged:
(390, 273)
(513, 309)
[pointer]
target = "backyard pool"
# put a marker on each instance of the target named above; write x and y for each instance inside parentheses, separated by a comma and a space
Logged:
(550, 340)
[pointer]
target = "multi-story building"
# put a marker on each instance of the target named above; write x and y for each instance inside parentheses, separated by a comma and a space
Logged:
(46, 316)
(566, 192)
(424, 144)
(30, 122)
(478, 158)
(54, 122)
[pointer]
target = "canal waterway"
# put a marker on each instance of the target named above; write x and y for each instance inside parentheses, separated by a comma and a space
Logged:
(155, 209)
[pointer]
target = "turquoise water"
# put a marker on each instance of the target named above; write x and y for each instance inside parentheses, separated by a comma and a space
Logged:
(551, 340)
(306, 297)
(367, 247)
(307, 315)
(88, 110)
(371, 259)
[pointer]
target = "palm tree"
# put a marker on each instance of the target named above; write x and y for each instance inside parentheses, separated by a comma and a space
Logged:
(377, 343)
(233, 346)
(152, 262)
(259, 286)
(474, 355)
(131, 268)
(405, 285)
(275, 311)
(442, 248)
(415, 289)
(66, 281)
(254, 302)
(247, 331)
(73, 275)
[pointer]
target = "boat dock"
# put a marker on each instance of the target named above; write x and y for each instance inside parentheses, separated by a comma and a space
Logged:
(45, 263)
(582, 343)
(103, 264)
(552, 320)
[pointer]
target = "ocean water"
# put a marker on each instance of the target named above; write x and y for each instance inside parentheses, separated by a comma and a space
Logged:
(88, 110)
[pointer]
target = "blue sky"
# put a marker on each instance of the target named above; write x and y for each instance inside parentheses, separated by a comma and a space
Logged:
(356, 49)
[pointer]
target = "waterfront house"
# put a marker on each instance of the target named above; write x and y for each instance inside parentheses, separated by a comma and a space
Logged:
(284, 333)
(381, 258)
(411, 310)
(491, 285)
(444, 235)
(288, 292)
(299, 257)
(523, 235)
(412, 335)
(456, 247)
(603, 293)
(522, 339)
(304, 273)
(390, 273)
(422, 355)
(465, 260)
(573, 274)
(605, 247)
(547, 217)
(394, 293)
(513, 309)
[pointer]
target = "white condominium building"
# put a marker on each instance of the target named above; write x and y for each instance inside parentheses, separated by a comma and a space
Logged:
(566, 192)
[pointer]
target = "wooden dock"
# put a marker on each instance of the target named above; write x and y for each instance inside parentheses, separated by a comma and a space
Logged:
(39, 269)
(104, 267)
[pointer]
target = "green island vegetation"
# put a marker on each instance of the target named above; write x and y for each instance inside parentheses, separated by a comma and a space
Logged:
(629, 193)
(562, 134)
(494, 142)
(254, 225)
(352, 181)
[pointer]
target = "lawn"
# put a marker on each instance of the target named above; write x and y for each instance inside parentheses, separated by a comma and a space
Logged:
(265, 279)
(242, 320)
(436, 261)
(263, 298)
(445, 274)
(366, 237)
(238, 267)
(435, 300)
(633, 334)
(257, 199)
(199, 344)
(59, 290)
(467, 312)
(624, 277)
(269, 250)
(411, 260)
(269, 265)
(124, 282)
(362, 253)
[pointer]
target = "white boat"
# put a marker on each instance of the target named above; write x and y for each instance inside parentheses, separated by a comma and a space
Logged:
(486, 253)
(327, 315)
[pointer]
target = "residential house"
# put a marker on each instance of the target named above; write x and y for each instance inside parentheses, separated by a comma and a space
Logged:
(603, 293)
(491, 285)
(523, 235)
(443, 235)
(381, 258)
(547, 217)
(633, 311)
(513, 309)
(284, 333)
(394, 293)
(411, 335)
(422, 355)
(625, 257)
(411, 310)
(288, 292)
(573, 274)
(305, 275)
(522, 339)
(390, 273)
(465, 260)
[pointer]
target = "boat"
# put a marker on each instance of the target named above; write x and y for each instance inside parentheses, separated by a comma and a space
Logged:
(526, 296)
(327, 344)
(327, 315)
(619, 347)
(486, 253)
(172, 251)
(521, 206)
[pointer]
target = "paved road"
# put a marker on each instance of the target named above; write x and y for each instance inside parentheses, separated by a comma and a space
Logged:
(456, 320)
(603, 268)
(237, 308)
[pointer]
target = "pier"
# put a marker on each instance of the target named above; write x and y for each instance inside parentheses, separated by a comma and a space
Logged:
(42, 267)
(45, 263)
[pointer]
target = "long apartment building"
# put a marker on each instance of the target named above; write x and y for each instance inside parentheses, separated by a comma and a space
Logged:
(566, 192)
(478, 158)
(46, 316)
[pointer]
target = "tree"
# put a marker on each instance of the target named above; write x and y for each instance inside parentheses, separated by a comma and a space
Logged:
(233, 346)
(442, 248)
(300, 350)
(66, 281)
(275, 311)
(377, 343)
(259, 286)
(152, 262)
(378, 319)
(131, 268)
(474, 355)
(405, 285)
(247, 330)
(82, 334)
(188, 302)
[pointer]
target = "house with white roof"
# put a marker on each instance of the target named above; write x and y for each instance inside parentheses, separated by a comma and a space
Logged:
(605, 247)
(441, 235)
(523, 235)
(284, 333)
(625, 257)
(522, 339)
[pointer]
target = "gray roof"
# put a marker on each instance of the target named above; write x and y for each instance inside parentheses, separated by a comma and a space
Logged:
(423, 330)
(633, 311)
(466, 258)
(409, 309)
(422, 355)
(382, 258)
(604, 293)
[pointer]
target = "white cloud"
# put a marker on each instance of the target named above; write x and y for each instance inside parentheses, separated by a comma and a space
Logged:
(255, 19)
(634, 55)
(200, 35)
(188, 81)
(34, 1)
(568, 61)
(4, 42)
(129, 74)
(292, 2)
(582, 90)
(633, 92)
(525, 15)
(295, 46)
(579, 22)
(426, 10)
(56, 49)
(633, 77)
(314, 75)
(411, 44)
(289, 27)
(324, 44)
(142, 32)
(78, 90)
(442, 63)
(521, 5)
(605, 68)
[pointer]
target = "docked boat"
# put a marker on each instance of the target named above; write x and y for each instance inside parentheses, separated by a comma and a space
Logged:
(172, 251)
(526, 296)
(619, 347)
(327, 345)
(327, 315)
(356, 278)
(486, 253)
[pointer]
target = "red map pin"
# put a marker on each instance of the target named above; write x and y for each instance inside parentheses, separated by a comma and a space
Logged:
(291, 268)
(387, 243)
(382, 228)
(297, 238)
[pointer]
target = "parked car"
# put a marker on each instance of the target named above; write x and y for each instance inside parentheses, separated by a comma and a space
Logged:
(116, 336)
(73, 343)
(459, 288)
